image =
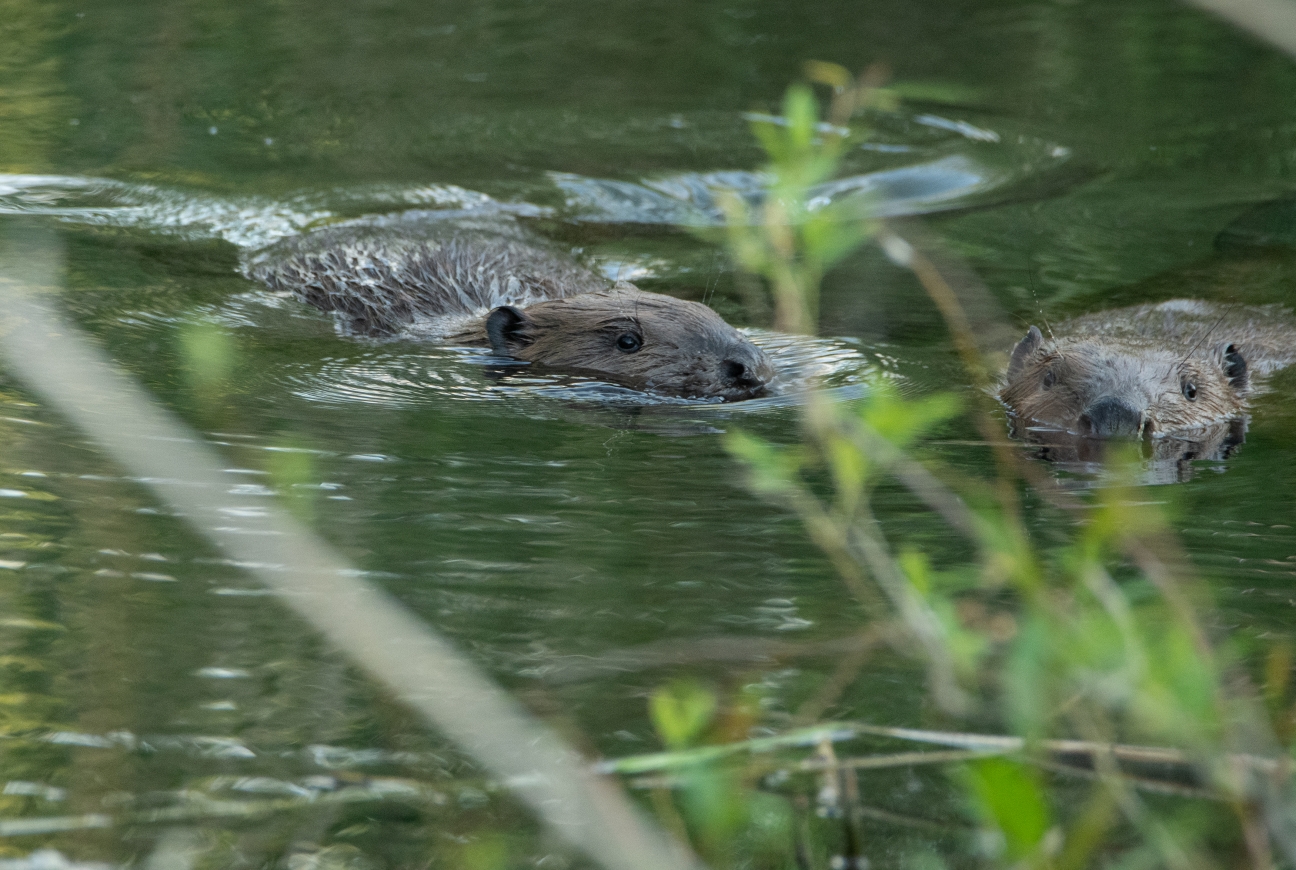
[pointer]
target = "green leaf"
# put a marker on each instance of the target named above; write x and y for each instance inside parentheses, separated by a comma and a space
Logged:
(773, 139)
(1026, 676)
(680, 711)
(937, 92)
(293, 473)
(917, 568)
(208, 352)
(832, 74)
(773, 470)
(828, 239)
(714, 802)
(902, 421)
(850, 471)
(1008, 796)
(801, 114)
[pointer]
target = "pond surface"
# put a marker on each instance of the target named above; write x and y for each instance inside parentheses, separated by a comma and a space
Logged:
(1079, 155)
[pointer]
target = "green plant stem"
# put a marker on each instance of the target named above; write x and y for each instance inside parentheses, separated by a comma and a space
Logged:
(865, 539)
(916, 477)
(847, 669)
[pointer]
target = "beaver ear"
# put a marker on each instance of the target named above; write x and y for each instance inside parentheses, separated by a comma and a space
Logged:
(506, 330)
(1022, 352)
(1235, 367)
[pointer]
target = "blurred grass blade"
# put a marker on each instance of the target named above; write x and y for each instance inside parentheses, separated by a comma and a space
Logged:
(375, 631)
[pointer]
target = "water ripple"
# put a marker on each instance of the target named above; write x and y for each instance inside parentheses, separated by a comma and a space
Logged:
(403, 376)
(693, 199)
(975, 167)
(248, 221)
(971, 167)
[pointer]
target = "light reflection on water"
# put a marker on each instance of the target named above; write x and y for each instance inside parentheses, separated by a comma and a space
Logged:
(682, 200)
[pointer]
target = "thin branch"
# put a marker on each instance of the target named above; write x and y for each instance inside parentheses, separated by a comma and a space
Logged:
(848, 668)
(1142, 783)
(916, 477)
(880, 815)
(866, 541)
(904, 759)
(1119, 751)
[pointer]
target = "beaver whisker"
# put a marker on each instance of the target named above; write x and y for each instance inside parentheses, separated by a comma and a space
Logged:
(1178, 366)
(1208, 332)
(1030, 280)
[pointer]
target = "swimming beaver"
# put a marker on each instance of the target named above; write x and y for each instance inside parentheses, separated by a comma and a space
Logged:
(1175, 369)
(501, 289)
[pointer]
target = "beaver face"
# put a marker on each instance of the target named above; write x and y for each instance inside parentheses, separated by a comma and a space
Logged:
(643, 340)
(1115, 387)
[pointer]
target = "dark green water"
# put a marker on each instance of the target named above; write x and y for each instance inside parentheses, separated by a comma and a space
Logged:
(539, 524)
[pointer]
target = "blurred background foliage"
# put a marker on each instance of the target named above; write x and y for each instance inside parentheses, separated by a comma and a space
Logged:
(1096, 636)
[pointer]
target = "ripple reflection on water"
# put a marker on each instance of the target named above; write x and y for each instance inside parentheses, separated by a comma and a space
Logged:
(403, 376)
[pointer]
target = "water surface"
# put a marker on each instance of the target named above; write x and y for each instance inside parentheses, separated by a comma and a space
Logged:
(1079, 156)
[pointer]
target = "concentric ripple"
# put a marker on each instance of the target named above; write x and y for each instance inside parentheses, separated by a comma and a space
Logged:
(402, 376)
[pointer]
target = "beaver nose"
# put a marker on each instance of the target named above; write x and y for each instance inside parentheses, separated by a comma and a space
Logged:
(1111, 418)
(737, 374)
(747, 370)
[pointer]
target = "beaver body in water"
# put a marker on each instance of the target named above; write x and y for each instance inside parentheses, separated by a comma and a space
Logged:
(502, 289)
(1182, 369)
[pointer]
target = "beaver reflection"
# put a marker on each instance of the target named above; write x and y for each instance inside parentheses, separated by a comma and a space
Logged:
(1166, 460)
(1177, 376)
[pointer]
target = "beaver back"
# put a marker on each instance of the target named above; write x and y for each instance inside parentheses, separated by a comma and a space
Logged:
(426, 281)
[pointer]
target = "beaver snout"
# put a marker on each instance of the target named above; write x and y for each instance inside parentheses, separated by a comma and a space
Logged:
(1111, 418)
(746, 370)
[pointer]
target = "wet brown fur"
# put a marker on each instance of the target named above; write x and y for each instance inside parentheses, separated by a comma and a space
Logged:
(507, 292)
(1170, 369)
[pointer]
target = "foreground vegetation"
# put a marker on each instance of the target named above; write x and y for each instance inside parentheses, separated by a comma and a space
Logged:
(1115, 725)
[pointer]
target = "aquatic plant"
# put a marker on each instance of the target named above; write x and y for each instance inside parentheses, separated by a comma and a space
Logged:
(1126, 729)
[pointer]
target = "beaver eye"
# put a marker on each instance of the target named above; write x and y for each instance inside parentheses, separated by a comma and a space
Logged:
(1189, 389)
(1049, 379)
(628, 342)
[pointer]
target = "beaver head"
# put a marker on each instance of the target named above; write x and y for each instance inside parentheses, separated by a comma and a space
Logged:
(1121, 387)
(642, 340)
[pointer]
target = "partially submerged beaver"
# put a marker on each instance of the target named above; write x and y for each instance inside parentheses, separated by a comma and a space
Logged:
(501, 289)
(1179, 369)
